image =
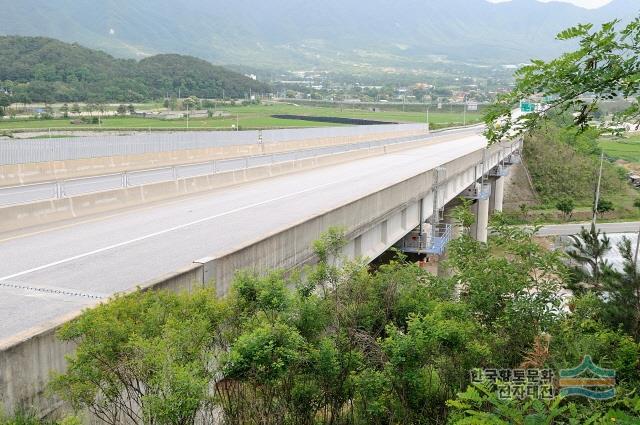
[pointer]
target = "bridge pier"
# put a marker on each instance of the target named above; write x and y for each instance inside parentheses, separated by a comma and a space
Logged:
(497, 194)
(480, 229)
(480, 192)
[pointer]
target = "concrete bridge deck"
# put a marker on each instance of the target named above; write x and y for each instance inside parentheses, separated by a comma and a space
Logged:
(49, 274)
(56, 270)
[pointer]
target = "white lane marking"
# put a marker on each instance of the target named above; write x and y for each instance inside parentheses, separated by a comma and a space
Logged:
(165, 231)
(52, 290)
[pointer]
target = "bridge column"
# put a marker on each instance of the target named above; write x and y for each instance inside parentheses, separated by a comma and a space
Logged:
(480, 229)
(497, 194)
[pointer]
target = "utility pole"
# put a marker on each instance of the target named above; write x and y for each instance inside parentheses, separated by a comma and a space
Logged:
(597, 200)
(464, 114)
(635, 258)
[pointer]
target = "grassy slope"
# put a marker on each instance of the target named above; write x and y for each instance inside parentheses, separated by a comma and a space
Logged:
(560, 171)
(622, 148)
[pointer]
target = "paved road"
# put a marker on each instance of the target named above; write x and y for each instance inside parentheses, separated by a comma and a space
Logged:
(59, 270)
(574, 228)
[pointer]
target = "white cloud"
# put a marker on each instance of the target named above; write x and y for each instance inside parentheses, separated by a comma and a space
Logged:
(587, 4)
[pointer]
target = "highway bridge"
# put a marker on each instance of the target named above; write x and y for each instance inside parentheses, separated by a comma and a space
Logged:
(178, 216)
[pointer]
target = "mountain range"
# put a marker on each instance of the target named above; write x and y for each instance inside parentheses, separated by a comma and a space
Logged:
(289, 34)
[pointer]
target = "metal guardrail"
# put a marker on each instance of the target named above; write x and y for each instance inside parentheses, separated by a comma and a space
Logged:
(439, 238)
(78, 186)
(499, 171)
(514, 158)
(21, 151)
(433, 242)
(480, 191)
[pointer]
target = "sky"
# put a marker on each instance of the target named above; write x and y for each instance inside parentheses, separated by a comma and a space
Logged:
(588, 4)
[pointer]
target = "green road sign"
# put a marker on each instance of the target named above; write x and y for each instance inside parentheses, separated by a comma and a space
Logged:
(527, 107)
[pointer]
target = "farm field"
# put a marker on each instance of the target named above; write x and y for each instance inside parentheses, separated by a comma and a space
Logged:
(627, 149)
(248, 117)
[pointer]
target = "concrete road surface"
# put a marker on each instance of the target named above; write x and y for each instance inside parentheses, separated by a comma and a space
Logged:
(57, 270)
(574, 228)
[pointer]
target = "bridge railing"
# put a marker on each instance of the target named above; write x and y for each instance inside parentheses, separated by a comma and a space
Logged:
(22, 151)
(23, 194)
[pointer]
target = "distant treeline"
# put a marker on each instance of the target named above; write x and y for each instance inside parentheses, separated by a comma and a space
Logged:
(36, 69)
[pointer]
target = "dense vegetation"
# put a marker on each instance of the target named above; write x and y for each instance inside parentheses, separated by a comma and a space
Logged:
(349, 345)
(35, 69)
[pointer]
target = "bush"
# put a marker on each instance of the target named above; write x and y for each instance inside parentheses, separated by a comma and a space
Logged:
(566, 206)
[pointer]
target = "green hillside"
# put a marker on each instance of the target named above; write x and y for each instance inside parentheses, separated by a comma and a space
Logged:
(37, 69)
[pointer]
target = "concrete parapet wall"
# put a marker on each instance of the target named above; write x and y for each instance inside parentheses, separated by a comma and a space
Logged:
(37, 172)
(22, 216)
(291, 247)
(26, 364)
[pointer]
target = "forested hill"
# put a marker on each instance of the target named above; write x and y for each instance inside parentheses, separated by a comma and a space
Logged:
(42, 69)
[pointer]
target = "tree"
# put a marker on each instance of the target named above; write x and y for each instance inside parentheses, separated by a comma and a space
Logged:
(75, 108)
(90, 107)
(604, 206)
(143, 358)
(131, 109)
(191, 103)
(524, 211)
(605, 66)
(566, 206)
(65, 110)
(498, 290)
(5, 101)
(589, 249)
(48, 112)
(623, 299)
(122, 109)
